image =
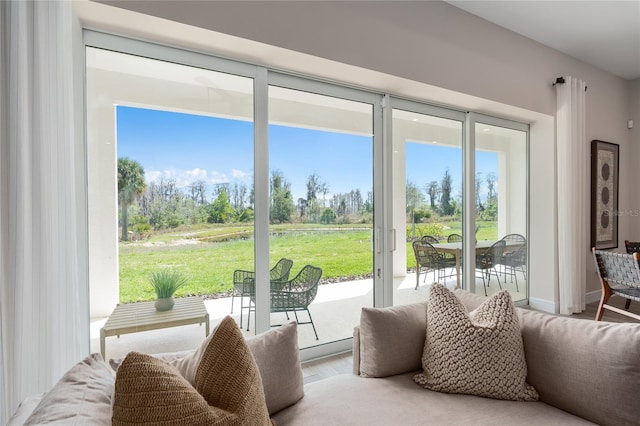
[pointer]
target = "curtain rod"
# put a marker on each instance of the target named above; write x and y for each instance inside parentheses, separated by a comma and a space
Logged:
(560, 80)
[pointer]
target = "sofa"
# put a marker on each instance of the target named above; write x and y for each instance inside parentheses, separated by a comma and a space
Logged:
(585, 372)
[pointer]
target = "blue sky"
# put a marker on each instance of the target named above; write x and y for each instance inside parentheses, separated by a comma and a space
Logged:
(189, 147)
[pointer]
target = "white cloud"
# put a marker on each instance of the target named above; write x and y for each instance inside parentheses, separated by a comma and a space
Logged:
(238, 174)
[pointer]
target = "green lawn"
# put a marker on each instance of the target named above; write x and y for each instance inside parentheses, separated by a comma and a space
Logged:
(209, 254)
(210, 265)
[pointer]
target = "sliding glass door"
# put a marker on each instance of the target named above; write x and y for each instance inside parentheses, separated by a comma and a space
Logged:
(501, 207)
(170, 160)
(428, 180)
(284, 198)
(321, 212)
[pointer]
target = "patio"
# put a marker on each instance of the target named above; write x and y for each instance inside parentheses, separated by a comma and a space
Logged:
(336, 310)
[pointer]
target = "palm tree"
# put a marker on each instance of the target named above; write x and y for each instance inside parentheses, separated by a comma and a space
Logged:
(130, 186)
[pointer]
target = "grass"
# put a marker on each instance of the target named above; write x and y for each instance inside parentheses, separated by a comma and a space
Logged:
(340, 250)
(210, 265)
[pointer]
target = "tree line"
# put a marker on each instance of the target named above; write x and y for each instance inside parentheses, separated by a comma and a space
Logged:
(161, 204)
(442, 203)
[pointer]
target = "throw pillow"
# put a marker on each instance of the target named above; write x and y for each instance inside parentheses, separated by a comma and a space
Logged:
(81, 396)
(227, 390)
(478, 353)
(391, 339)
(150, 391)
(276, 354)
(278, 359)
(228, 377)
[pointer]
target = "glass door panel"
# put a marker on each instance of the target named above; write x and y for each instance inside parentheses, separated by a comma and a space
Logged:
(501, 210)
(321, 211)
(428, 208)
(184, 137)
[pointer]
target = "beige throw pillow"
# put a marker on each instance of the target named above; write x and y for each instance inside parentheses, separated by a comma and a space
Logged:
(392, 339)
(228, 389)
(478, 353)
(278, 359)
(150, 391)
(228, 377)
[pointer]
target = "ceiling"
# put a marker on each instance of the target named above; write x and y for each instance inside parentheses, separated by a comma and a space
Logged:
(605, 34)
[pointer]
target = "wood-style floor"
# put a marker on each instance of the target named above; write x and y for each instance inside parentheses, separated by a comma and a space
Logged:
(342, 363)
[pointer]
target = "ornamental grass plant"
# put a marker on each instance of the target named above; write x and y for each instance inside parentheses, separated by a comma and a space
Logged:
(165, 282)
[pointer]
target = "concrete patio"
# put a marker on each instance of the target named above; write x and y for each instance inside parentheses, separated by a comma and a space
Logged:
(336, 310)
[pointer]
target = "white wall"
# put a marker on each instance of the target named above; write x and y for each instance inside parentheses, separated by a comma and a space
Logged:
(634, 219)
(424, 50)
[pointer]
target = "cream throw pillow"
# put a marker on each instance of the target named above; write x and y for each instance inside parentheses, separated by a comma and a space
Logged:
(478, 353)
(228, 389)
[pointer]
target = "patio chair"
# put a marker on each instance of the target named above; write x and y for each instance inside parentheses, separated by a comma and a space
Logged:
(427, 258)
(514, 258)
(244, 281)
(295, 295)
(429, 239)
(454, 238)
(619, 276)
(487, 260)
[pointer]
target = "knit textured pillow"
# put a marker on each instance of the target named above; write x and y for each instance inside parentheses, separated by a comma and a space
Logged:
(228, 378)
(478, 353)
(150, 391)
(228, 390)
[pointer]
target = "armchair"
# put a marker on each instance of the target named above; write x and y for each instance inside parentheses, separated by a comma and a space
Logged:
(294, 295)
(243, 282)
(619, 276)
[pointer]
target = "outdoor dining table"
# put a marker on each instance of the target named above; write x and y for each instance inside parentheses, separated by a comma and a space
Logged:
(455, 248)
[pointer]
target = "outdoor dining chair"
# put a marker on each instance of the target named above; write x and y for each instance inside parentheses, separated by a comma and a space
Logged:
(429, 239)
(487, 261)
(514, 258)
(294, 295)
(428, 259)
(244, 282)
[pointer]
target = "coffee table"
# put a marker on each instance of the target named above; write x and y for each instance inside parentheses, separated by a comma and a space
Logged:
(142, 316)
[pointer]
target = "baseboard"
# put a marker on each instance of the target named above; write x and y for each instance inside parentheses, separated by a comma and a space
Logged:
(592, 296)
(544, 305)
(554, 307)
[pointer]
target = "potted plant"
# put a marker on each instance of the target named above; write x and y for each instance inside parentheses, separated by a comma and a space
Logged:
(165, 282)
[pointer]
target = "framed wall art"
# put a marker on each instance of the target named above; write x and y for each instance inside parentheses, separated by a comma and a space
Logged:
(604, 194)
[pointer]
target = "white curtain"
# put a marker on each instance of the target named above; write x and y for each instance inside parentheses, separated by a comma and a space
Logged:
(573, 208)
(43, 305)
